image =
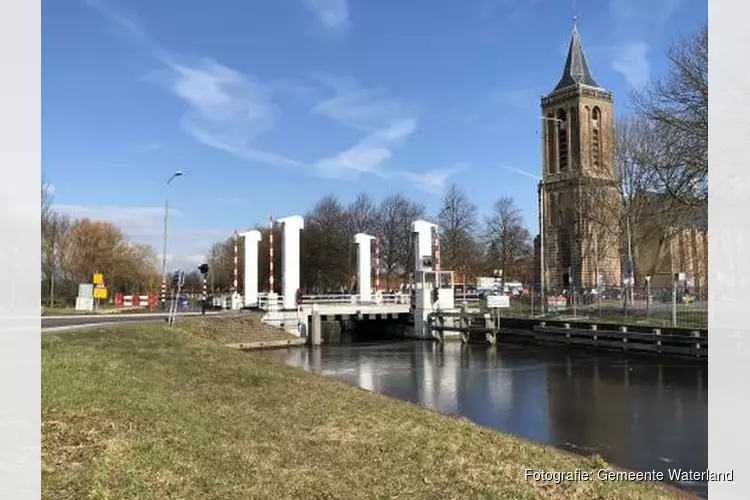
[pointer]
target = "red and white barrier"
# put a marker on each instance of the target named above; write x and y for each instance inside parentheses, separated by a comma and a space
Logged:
(148, 300)
(270, 254)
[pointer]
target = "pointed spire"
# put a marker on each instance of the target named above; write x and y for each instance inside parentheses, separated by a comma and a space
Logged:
(576, 70)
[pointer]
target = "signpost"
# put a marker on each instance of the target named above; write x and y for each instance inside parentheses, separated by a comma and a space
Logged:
(178, 280)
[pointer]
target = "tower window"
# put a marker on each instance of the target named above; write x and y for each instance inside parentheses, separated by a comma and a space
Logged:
(595, 138)
(573, 127)
(562, 139)
(551, 156)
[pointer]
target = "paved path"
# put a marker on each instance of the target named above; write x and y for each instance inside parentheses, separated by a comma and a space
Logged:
(76, 322)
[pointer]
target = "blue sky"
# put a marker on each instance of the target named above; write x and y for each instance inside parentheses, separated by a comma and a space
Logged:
(269, 105)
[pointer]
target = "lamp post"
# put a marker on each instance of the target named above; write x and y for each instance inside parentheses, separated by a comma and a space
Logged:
(177, 173)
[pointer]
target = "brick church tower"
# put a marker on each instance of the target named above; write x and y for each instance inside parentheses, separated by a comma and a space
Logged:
(578, 195)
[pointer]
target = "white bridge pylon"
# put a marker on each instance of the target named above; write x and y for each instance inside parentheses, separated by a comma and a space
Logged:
(252, 239)
(291, 227)
(290, 259)
(364, 266)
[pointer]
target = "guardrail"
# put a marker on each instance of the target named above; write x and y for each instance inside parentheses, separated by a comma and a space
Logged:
(278, 300)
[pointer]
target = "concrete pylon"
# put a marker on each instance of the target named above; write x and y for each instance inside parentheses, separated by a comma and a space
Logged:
(290, 258)
(423, 245)
(252, 239)
(364, 266)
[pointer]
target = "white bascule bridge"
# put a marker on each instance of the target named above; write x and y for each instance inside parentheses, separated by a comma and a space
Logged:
(432, 288)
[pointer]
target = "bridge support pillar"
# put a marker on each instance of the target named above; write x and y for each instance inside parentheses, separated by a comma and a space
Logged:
(316, 326)
(364, 266)
(290, 259)
(252, 238)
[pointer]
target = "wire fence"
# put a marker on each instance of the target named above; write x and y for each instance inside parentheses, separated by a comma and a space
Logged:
(657, 307)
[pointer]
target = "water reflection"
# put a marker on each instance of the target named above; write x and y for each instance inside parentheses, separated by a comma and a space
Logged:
(638, 412)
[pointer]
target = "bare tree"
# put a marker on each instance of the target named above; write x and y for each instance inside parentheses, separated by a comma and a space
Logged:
(631, 209)
(361, 217)
(506, 236)
(395, 215)
(324, 246)
(458, 223)
(676, 107)
(55, 230)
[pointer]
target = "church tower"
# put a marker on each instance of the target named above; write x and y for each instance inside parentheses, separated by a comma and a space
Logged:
(578, 196)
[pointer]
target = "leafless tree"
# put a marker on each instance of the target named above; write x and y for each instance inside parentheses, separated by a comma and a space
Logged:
(676, 108)
(324, 246)
(506, 236)
(395, 215)
(361, 217)
(458, 224)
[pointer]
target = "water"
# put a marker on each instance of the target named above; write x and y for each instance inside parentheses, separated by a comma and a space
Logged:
(641, 413)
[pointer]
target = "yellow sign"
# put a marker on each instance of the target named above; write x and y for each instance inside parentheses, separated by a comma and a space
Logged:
(100, 293)
(98, 279)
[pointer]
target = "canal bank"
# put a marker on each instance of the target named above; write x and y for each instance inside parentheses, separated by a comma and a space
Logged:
(151, 412)
(640, 412)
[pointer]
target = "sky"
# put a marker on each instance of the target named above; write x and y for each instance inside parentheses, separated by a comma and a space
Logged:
(269, 105)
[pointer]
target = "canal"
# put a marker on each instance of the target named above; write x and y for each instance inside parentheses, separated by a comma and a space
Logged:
(639, 412)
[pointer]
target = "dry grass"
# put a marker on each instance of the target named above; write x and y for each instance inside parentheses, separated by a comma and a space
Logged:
(234, 328)
(142, 412)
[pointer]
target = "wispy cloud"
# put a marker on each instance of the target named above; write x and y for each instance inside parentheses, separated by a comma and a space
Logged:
(630, 59)
(229, 110)
(386, 123)
(518, 97)
(333, 14)
(520, 171)
(659, 10)
(145, 225)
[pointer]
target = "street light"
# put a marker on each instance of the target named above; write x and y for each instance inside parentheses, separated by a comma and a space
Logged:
(177, 173)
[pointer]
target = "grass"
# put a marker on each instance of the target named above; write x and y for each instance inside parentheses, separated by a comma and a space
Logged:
(233, 329)
(103, 309)
(144, 412)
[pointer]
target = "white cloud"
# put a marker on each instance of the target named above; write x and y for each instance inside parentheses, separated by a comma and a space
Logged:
(519, 97)
(228, 109)
(662, 10)
(145, 225)
(330, 13)
(630, 59)
(385, 122)
(521, 171)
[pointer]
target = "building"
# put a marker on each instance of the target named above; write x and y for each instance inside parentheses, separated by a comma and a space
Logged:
(580, 242)
(578, 179)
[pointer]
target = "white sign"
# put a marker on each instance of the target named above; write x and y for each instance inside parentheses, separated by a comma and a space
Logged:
(497, 301)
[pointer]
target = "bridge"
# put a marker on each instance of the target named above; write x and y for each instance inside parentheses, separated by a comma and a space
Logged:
(432, 289)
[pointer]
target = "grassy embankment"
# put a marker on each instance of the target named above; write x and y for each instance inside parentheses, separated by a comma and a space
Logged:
(141, 411)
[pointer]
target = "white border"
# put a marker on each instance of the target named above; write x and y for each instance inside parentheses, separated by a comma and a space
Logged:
(20, 160)
(728, 320)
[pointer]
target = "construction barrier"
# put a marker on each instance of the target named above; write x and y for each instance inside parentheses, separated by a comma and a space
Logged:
(150, 299)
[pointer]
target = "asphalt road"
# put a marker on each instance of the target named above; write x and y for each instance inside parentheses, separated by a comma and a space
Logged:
(75, 322)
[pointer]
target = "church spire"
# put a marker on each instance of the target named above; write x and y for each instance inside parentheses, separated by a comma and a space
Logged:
(576, 70)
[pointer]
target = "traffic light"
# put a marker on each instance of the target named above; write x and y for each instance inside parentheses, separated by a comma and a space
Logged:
(299, 296)
(203, 268)
(435, 295)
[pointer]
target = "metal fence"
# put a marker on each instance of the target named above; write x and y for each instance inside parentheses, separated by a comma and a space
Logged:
(634, 305)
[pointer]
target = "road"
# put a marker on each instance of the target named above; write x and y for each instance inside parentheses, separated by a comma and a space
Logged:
(74, 322)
